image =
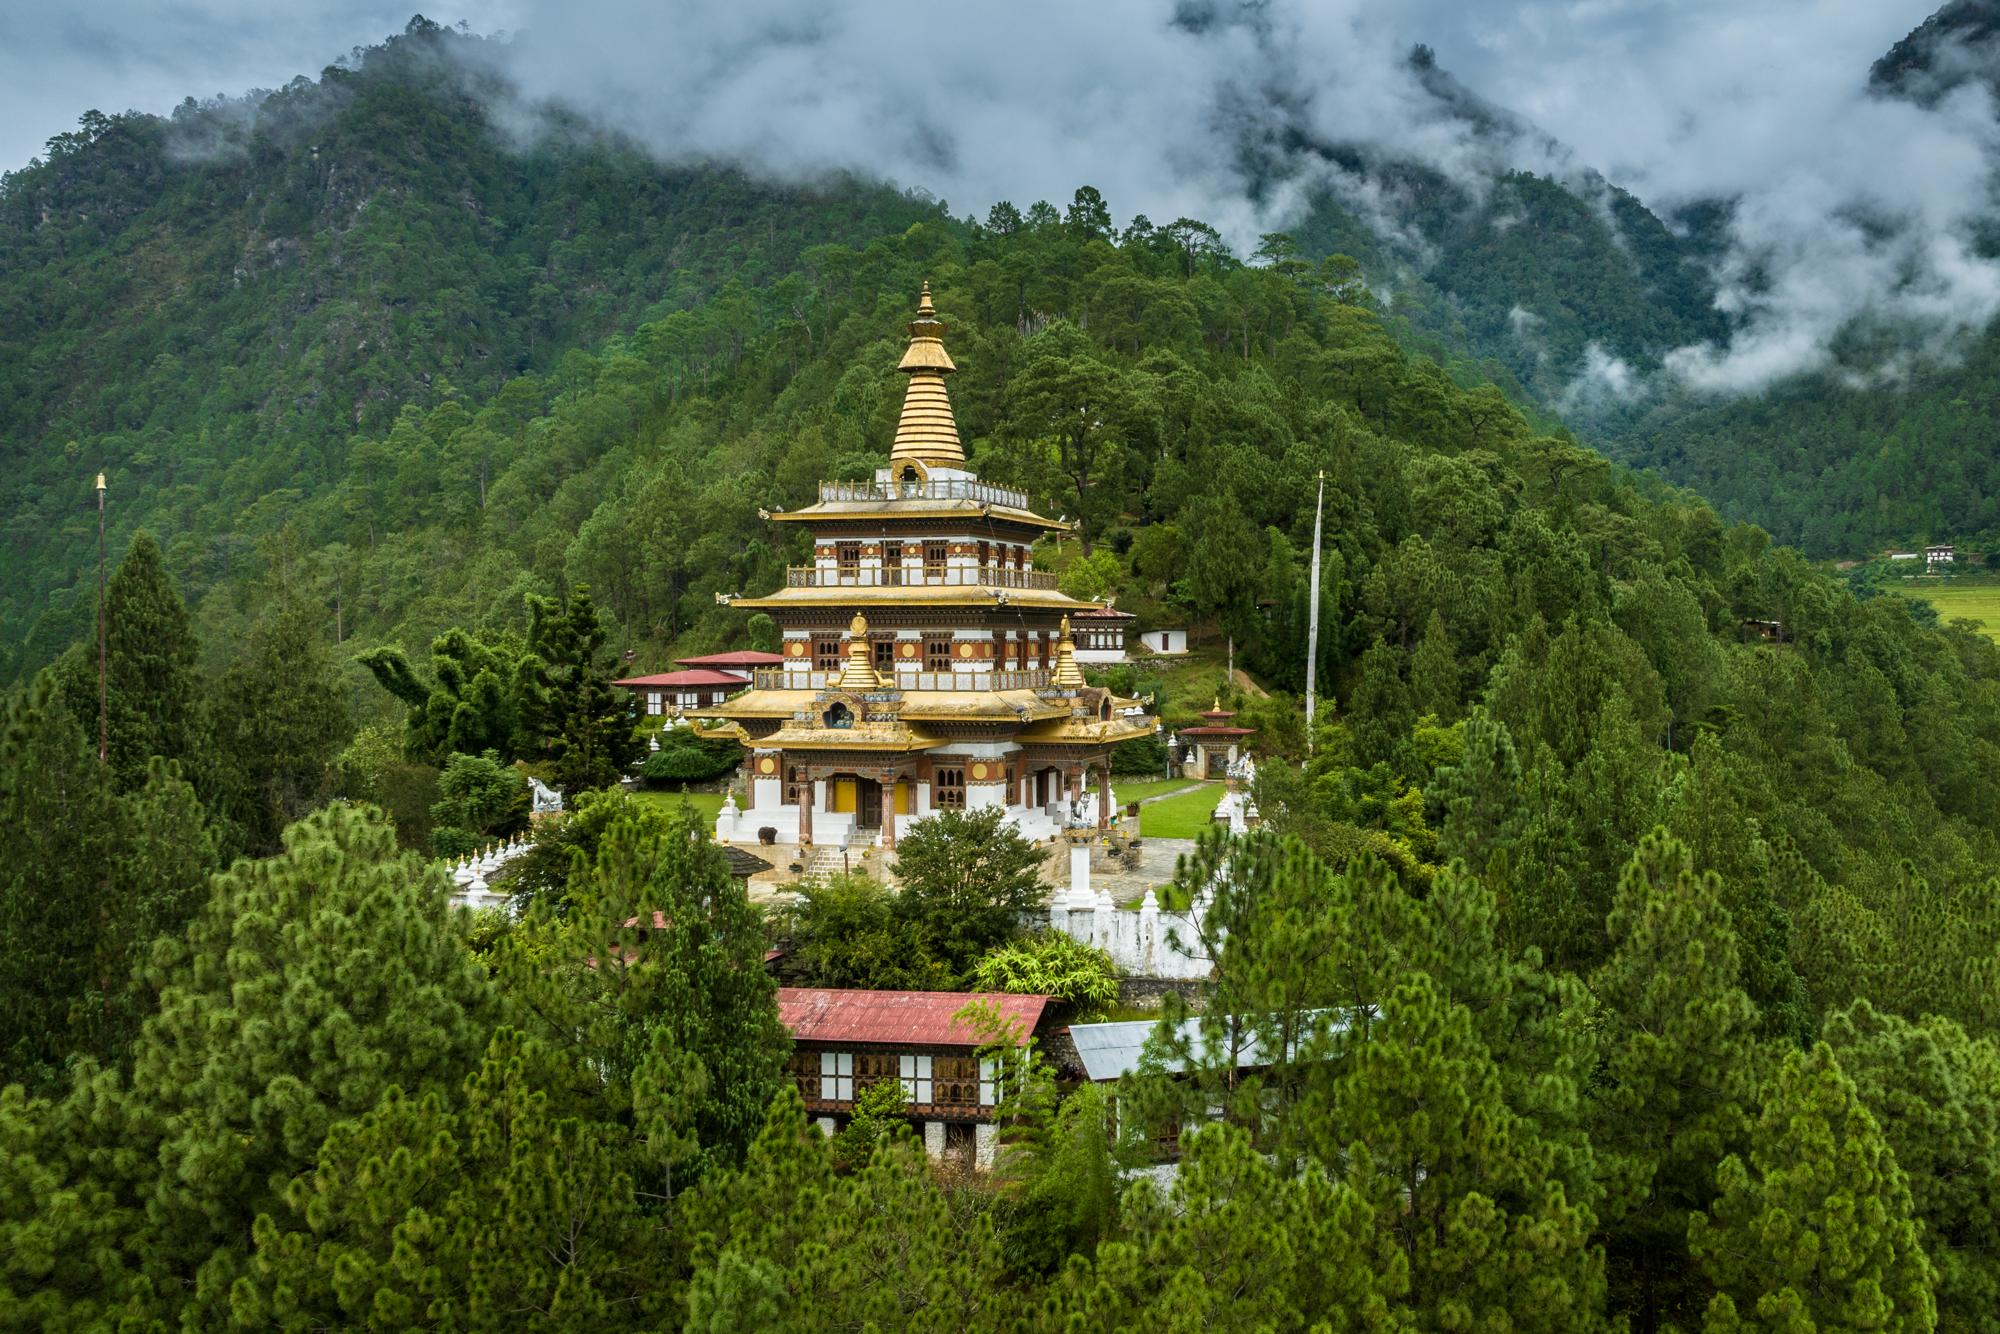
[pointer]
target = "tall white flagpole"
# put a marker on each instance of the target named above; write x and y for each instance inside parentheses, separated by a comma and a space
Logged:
(1312, 631)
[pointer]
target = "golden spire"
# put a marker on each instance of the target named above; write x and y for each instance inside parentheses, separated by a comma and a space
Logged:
(1067, 675)
(859, 673)
(926, 432)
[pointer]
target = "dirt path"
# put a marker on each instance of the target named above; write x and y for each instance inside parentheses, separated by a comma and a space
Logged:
(1248, 686)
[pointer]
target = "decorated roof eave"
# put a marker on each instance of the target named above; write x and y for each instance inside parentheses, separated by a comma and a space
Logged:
(954, 595)
(849, 738)
(918, 510)
(1085, 729)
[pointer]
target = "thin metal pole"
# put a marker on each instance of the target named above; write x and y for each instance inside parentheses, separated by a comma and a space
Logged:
(1312, 624)
(105, 733)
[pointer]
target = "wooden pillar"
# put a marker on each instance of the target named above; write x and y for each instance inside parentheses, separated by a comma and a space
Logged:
(805, 806)
(1103, 796)
(1075, 784)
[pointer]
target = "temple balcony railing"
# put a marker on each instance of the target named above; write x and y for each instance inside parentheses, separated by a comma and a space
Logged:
(983, 493)
(800, 678)
(913, 576)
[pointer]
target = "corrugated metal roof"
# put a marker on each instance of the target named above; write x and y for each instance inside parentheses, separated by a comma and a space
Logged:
(914, 1018)
(698, 676)
(742, 657)
(1110, 1051)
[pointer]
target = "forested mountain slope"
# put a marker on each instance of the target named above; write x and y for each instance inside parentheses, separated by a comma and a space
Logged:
(210, 307)
(1646, 868)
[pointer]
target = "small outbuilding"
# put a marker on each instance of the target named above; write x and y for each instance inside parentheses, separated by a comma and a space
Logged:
(1209, 750)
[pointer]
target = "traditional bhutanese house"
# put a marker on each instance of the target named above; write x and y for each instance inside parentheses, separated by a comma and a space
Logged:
(1100, 634)
(844, 1041)
(1209, 750)
(1166, 643)
(693, 688)
(1938, 555)
(927, 666)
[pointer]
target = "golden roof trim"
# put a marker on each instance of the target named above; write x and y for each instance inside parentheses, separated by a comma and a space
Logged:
(920, 508)
(956, 595)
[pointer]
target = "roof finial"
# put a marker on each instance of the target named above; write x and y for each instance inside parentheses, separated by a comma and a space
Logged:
(927, 432)
(859, 673)
(1067, 674)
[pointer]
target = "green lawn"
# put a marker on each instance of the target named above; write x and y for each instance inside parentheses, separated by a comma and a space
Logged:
(1183, 816)
(1975, 601)
(1127, 790)
(705, 803)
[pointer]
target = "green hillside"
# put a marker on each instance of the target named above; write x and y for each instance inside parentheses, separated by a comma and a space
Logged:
(213, 307)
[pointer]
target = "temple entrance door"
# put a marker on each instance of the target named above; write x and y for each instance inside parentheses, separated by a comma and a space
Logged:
(1218, 762)
(870, 815)
(1042, 789)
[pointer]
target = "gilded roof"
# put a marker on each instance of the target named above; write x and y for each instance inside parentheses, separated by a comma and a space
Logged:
(920, 595)
(926, 508)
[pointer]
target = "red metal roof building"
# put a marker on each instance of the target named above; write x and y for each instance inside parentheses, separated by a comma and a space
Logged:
(845, 1041)
(741, 660)
(696, 687)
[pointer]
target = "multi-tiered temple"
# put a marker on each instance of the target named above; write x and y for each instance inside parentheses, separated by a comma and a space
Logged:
(927, 665)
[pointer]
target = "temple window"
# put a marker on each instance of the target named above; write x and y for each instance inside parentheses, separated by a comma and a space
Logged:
(653, 701)
(937, 653)
(892, 563)
(791, 785)
(948, 789)
(883, 651)
(989, 1083)
(848, 555)
(826, 653)
(934, 558)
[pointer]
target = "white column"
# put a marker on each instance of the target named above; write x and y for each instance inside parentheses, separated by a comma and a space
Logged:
(985, 1139)
(934, 1138)
(1079, 877)
(1149, 934)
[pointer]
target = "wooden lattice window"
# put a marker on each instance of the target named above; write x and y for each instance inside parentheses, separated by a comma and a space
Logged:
(848, 556)
(826, 653)
(934, 558)
(883, 647)
(937, 653)
(892, 562)
(948, 789)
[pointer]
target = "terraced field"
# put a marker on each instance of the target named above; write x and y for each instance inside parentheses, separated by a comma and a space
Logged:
(1975, 601)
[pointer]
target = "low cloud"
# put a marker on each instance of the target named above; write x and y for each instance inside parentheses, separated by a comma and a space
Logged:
(1848, 209)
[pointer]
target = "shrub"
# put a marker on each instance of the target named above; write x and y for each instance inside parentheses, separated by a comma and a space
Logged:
(1054, 965)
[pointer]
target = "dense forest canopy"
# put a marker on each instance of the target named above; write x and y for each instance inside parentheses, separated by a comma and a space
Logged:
(1628, 932)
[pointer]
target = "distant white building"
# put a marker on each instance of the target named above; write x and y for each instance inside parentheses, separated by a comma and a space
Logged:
(1166, 642)
(1939, 555)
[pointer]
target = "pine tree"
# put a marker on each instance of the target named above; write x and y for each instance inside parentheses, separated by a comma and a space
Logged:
(56, 815)
(1815, 1231)
(1434, 676)
(1480, 796)
(496, 1213)
(1466, 1190)
(657, 986)
(1671, 1099)
(1935, 1092)
(156, 701)
(307, 986)
(901, 1256)
(286, 724)
(586, 725)
(1237, 1245)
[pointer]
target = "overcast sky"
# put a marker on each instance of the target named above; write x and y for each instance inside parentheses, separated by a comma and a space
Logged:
(1674, 99)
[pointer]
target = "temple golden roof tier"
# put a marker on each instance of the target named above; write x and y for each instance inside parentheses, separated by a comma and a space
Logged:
(920, 595)
(925, 502)
(927, 433)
